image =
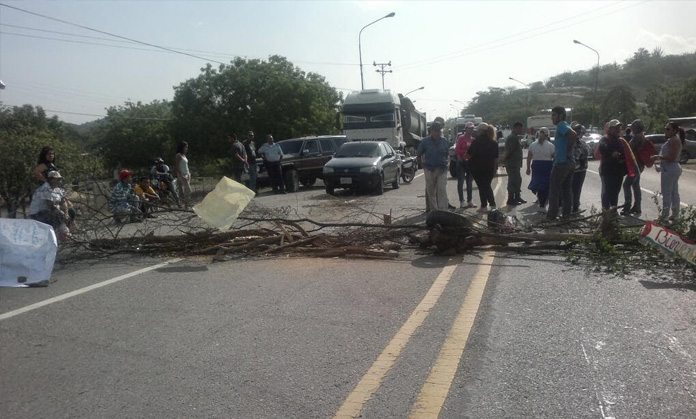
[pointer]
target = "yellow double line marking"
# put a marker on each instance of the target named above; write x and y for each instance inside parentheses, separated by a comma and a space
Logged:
(372, 380)
(437, 385)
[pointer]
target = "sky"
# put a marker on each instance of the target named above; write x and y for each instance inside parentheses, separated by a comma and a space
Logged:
(453, 49)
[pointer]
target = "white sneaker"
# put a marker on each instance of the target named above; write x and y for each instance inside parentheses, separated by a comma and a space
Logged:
(462, 204)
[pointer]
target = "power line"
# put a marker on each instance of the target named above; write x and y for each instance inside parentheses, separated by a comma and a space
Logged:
(544, 30)
(222, 54)
(92, 114)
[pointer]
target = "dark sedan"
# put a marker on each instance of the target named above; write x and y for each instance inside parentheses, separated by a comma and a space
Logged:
(363, 165)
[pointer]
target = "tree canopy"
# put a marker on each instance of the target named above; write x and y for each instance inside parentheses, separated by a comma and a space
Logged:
(267, 97)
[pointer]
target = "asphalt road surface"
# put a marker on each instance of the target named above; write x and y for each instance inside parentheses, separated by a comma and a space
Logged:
(483, 335)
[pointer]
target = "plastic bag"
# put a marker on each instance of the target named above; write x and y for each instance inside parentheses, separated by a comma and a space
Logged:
(221, 207)
(27, 252)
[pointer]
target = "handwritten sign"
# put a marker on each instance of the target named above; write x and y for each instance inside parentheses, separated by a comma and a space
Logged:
(668, 242)
(27, 252)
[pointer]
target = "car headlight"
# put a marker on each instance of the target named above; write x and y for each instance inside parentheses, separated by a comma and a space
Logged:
(328, 169)
(368, 169)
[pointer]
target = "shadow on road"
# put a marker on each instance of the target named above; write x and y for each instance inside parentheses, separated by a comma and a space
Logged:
(652, 285)
(430, 262)
(178, 269)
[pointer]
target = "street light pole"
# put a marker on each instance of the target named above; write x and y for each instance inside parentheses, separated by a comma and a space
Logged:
(362, 80)
(595, 117)
(529, 92)
(420, 88)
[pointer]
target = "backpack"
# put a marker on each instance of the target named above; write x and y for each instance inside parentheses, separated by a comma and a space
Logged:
(645, 154)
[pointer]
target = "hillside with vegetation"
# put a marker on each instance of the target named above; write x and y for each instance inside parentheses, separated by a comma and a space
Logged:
(649, 85)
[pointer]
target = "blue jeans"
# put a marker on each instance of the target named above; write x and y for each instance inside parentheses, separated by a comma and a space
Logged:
(464, 173)
(669, 184)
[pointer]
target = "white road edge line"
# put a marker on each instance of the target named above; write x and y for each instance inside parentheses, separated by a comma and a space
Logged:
(417, 176)
(71, 294)
(642, 189)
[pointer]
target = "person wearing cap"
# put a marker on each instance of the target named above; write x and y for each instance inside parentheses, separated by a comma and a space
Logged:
(463, 171)
(612, 167)
(561, 181)
(631, 185)
(46, 202)
(513, 164)
(432, 154)
(539, 164)
(123, 200)
(581, 152)
(483, 154)
(250, 149)
(167, 184)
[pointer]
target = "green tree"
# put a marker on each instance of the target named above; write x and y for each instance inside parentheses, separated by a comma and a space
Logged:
(268, 97)
(134, 133)
(23, 132)
(619, 103)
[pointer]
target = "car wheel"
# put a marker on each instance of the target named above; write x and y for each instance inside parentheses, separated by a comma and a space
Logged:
(292, 181)
(683, 157)
(397, 180)
(379, 188)
(309, 181)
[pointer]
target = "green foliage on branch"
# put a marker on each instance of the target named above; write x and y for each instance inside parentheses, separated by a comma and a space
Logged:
(24, 131)
(267, 97)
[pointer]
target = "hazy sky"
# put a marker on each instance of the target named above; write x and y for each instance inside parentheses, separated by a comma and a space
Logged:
(454, 49)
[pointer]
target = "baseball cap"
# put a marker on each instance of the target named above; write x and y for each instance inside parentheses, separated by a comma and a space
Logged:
(613, 123)
(54, 174)
(124, 174)
(544, 130)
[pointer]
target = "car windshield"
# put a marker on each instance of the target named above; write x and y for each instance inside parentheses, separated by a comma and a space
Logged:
(290, 147)
(358, 150)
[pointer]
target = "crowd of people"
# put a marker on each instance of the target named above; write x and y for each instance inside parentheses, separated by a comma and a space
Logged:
(557, 172)
(557, 169)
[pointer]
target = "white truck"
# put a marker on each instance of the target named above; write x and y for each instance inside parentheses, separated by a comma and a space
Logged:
(382, 115)
(535, 122)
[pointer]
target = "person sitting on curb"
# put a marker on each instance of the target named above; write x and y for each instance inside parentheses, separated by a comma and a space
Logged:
(49, 205)
(147, 196)
(123, 201)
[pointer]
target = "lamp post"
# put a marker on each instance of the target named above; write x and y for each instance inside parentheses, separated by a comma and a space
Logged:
(595, 118)
(529, 91)
(459, 113)
(414, 90)
(521, 82)
(362, 80)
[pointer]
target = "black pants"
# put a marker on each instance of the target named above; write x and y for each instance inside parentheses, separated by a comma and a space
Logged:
(514, 186)
(275, 174)
(612, 189)
(483, 182)
(578, 181)
(237, 173)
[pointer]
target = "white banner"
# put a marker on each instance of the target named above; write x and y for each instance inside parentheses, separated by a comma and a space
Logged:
(27, 252)
(668, 242)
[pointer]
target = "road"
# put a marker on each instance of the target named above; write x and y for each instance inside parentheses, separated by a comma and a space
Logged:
(482, 335)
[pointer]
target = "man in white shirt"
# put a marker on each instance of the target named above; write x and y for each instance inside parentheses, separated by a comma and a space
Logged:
(272, 156)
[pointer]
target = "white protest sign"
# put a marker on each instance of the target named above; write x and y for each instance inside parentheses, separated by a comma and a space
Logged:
(668, 241)
(27, 252)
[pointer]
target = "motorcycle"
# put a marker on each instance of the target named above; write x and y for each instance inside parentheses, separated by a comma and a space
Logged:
(409, 167)
(165, 185)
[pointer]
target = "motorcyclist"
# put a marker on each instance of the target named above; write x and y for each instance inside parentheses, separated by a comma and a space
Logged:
(166, 182)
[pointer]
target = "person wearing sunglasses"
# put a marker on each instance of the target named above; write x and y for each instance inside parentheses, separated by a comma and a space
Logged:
(670, 170)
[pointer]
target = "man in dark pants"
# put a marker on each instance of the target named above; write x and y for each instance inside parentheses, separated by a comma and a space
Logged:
(250, 149)
(272, 156)
(561, 181)
(513, 164)
(239, 157)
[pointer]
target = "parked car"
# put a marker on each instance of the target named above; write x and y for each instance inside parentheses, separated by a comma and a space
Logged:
(592, 141)
(366, 165)
(303, 159)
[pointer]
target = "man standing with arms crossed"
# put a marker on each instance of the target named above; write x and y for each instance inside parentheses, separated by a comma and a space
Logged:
(561, 182)
(433, 153)
(463, 171)
(513, 165)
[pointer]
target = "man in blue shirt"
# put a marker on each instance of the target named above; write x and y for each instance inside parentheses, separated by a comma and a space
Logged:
(433, 154)
(561, 181)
